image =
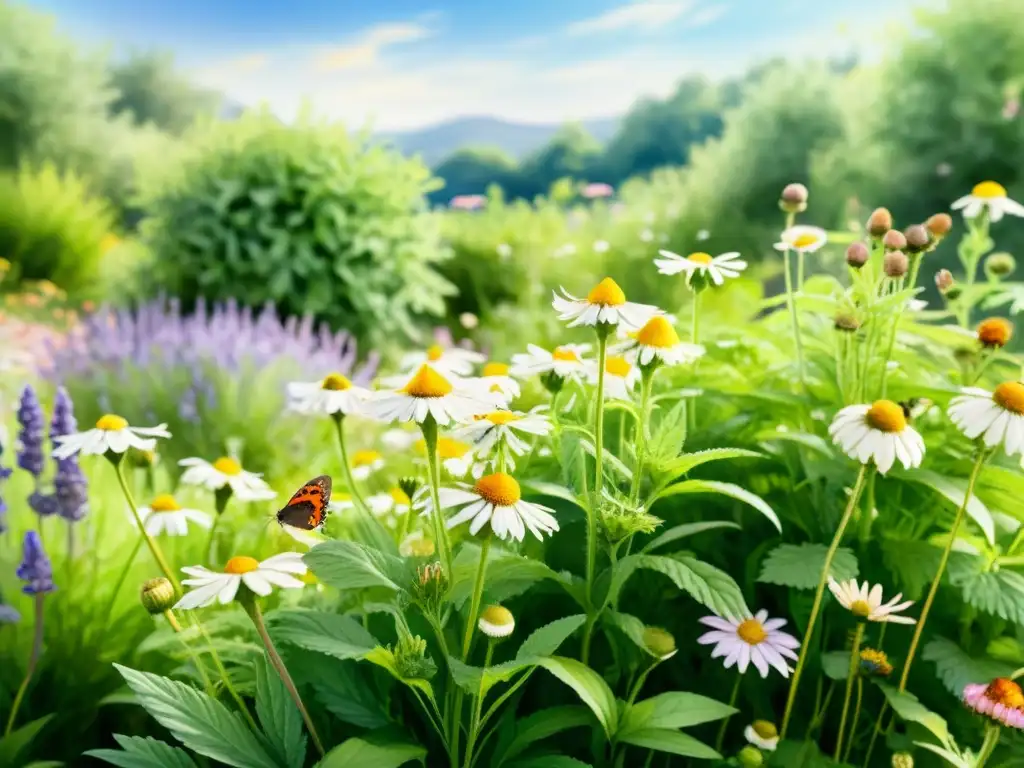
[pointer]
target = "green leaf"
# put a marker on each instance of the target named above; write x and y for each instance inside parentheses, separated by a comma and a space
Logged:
(669, 436)
(546, 640)
(667, 740)
(799, 565)
(675, 709)
(589, 686)
(910, 709)
(13, 743)
(280, 718)
(957, 669)
(706, 584)
(689, 461)
(610, 460)
(686, 529)
(360, 753)
(342, 688)
(349, 565)
(836, 664)
(954, 491)
(631, 627)
(724, 489)
(202, 724)
(384, 658)
(798, 754)
(912, 562)
(814, 442)
(549, 761)
(998, 592)
(554, 490)
(542, 725)
(331, 633)
(507, 575)
(138, 752)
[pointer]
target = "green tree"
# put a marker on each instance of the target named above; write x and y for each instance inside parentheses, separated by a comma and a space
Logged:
(571, 152)
(471, 170)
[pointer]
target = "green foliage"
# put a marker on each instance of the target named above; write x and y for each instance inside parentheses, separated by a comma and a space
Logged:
(150, 90)
(305, 216)
(799, 565)
(357, 751)
(138, 752)
(957, 669)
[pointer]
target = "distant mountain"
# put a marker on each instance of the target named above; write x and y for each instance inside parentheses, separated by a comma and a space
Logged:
(436, 142)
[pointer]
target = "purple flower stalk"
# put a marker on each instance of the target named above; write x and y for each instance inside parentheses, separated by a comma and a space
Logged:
(30, 417)
(35, 569)
(72, 490)
(63, 421)
(43, 504)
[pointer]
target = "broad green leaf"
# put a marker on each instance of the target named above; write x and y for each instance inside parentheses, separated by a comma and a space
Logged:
(814, 442)
(799, 754)
(836, 664)
(669, 436)
(675, 709)
(546, 640)
(138, 752)
(799, 565)
(331, 633)
(957, 669)
(688, 461)
(13, 743)
(724, 489)
(507, 575)
(349, 565)
(346, 693)
(541, 725)
(202, 724)
(910, 709)
(549, 761)
(554, 490)
(668, 740)
(954, 490)
(686, 529)
(589, 686)
(360, 753)
(630, 626)
(384, 658)
(999, 592)
(279, 717)
(1008, 649)
(706, 584)
(912, 562)
(469, 677)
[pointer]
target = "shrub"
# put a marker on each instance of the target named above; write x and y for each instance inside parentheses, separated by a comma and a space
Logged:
(305, 216)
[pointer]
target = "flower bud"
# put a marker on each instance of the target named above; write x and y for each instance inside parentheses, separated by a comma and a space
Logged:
(857, 255)
(844, 321)
(880, 222)
(158, 596)
(552, 382)
(902, 760)
(1000, 264)
(409, 485)
(793, 198)
(939, 225)
(896, 264)
(954, 292)
(750, 757)
(944, 281)
(411, 659)
(894, 240)
(659, 643)
(496, 621)
(917, 238)
(995, 332)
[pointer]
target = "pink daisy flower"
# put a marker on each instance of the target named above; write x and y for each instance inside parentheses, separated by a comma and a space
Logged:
(755, 639)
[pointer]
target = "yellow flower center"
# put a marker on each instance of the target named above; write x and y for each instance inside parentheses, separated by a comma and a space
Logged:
(565, 354)
(994, 332)
(764, 729)
(428, 383)
(164, 503)
(876, 662)
(434, 353)
(608, 293)
(421, 547)
(860, 608)
(111, 423)
(227, 466)
(499, 489)
(364, 458)
(658, 332)
(241, 564)
(499, 417)
(886, 416)
(497, 615)
(1005, 692)
(804, 240)
(400, 497)
(1010, 395)
(617, 366)
(700, 258)
(449, 448)
(751, 632)
(496, 369)
(335, 382)
(989, 190)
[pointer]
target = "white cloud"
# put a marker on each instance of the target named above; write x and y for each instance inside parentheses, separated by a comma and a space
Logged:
(708, 15)
(367, 48)
(642, 14)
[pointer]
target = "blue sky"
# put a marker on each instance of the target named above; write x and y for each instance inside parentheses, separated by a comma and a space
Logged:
(408, 63)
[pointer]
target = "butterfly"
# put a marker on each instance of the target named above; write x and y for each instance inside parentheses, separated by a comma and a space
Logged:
(914, 407)
(307, 509)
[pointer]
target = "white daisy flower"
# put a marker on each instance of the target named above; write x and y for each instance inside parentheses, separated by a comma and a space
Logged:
(762, 735)
(496, 378)
(606, 303)
(995, 417)
(245, 486)
(658, 341)
(756, 639)
(365, 463)
(879, 433)
(331, 395)
(496, 499)
(429, 393)
(990, 195)
(865, 602)
(701, 266)
(485, 431)
(165, 515)
(400, 439)
(802, 239)
(496, 622)
(454, 361)
(620, 378)
(416, 544)
(112, 433)
(565, 361)
(395, 502)
(210, 587)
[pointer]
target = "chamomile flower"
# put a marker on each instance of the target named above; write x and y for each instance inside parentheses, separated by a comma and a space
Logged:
(245, 486)
(485, 431)
(454, 361)
(802, 239)
(620, 377)
(334, 394)
(879, 433)
(1002, 700)
(496, 622)
(565, 361)
(395, 502)
(762, 735)
(755, 639)
(429, 393)
(605, 304)
(996, 417)
(496, 499)
(365, 463)
(456, 456)
(700, 267)
(658, 342)
(496, 378)
(988, 195)
(865, 602)
(113, 434)
(165, 515)
(210, 587)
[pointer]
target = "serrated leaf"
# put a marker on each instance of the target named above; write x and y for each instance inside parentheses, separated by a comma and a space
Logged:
(799, 565)
(723, 489)
(542, 725)
(13, 743)
(706, 584)
(279, 717)
(138, 752)
(957, 669)
(673, 742)
(669, 435)
(341, 687)
(349, 565)
(334, 634)
(589, 686)
(546, 640)
(907, 707)
(675, 709)
(686, 529)
(996, 592)
(954, 490)
(361, 753)
(202, 724)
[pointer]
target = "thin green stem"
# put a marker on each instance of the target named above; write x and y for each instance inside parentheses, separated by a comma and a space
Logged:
(474, 724)
(858, 488)
(695, 318)
(791, 304)
(33, 662)
(646, 382)
(154, 548)
(851, 675)
(357, 497)
(602, 357)
(429, 428)
(856, 717)
(120, 583)
(172, 620)
(874, 733)
(478, 591)
(975, 471)
(223, 672)
(915, 268)
(988, 746)
(725, 721)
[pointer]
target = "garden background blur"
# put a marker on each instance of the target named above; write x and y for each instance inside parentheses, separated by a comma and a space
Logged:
(257, 247)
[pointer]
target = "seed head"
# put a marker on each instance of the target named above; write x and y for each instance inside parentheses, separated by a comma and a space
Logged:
(894, 240)
(896, 264)
(1001, 264)
(659, 642)
(844, 321)
(902, 760)
(995, 332)
(917, 238)
(879, 222)
(857, 255)
(944, 281)
(750, 757)
(157, 596)
(939, 225)
(793, 198)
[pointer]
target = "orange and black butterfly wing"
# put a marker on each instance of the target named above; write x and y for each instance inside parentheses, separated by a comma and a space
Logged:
(307, 509)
